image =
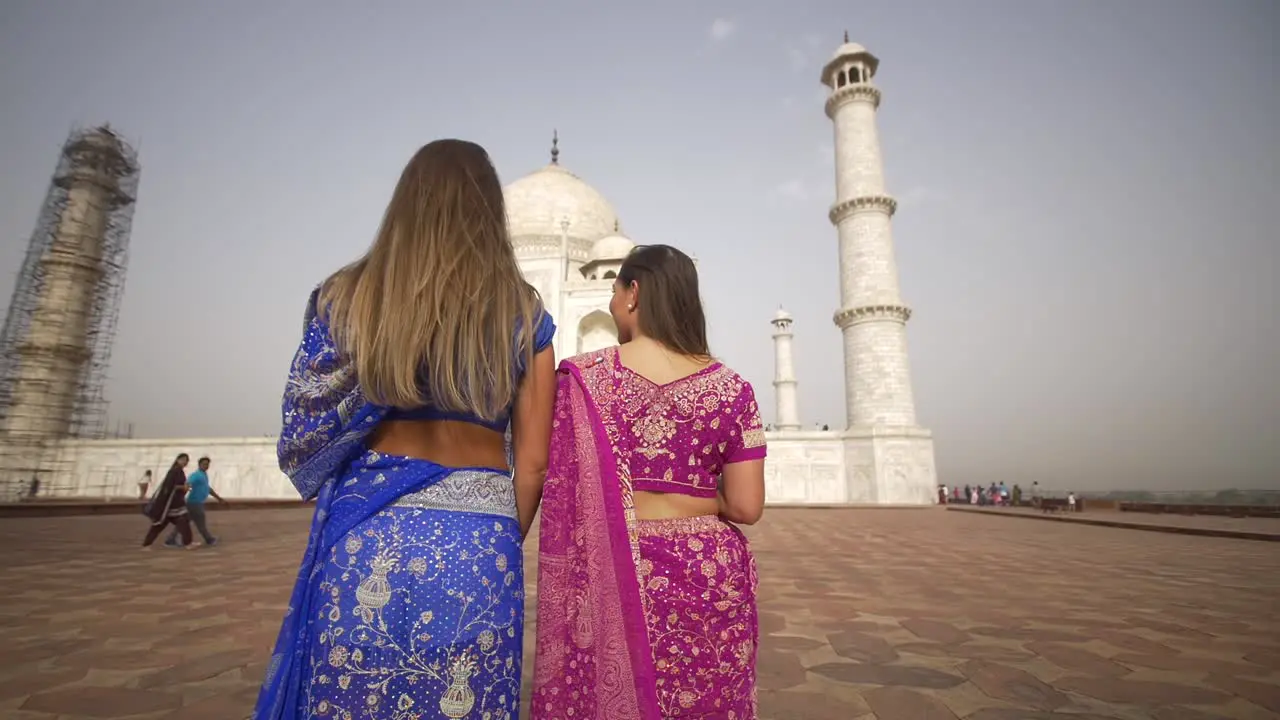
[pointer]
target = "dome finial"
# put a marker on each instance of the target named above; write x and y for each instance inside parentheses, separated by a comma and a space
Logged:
(555, 147)
(846, 36)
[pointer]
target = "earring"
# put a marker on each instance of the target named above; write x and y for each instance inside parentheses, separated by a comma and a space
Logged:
(631, 308)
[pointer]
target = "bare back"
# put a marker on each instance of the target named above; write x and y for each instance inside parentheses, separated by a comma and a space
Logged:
(445, 442)
(651, 362)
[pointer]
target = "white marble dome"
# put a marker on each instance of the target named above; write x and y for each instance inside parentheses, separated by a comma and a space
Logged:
(849, 49)
(614, 246)
(538, 202)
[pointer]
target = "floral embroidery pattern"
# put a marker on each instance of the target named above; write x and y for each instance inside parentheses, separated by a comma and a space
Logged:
(420, 617)
(700, 580)
(682, 433)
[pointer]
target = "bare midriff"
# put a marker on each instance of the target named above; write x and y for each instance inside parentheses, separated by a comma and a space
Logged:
(445, 442)
(666, 506)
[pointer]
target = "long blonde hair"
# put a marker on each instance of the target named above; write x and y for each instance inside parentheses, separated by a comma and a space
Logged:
(430, 313)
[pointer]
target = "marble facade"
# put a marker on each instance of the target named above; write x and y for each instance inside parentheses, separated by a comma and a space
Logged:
(803, 468)
(570, 245)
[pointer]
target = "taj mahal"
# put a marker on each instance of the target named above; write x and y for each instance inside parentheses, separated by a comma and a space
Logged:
(571, 243)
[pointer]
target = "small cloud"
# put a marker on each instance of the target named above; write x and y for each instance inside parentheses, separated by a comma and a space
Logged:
(805, 52)
(721, 29)
(792, 190)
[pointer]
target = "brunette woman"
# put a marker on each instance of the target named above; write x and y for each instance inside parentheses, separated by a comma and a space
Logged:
(646, 588)
(168, 506)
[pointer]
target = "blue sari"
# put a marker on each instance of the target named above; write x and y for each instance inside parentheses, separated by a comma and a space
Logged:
(409, 601)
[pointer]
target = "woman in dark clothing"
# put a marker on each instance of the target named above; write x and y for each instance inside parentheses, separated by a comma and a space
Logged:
(169, 505)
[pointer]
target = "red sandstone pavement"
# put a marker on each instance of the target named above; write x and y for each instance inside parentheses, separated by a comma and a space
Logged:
(888, 614)
(1260, 527)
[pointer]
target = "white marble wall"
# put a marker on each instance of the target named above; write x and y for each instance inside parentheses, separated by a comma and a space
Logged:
(878, 375)
(579, 306)
(240, 467)
(803, 468)
(585, 324)
(890, 466)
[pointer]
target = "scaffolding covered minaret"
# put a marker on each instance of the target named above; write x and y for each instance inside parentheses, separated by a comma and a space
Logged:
(58, 334)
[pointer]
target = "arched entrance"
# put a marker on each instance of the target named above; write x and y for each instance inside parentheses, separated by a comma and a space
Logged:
(596, 331)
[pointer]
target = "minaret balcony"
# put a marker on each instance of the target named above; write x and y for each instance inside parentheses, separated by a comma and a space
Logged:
(864, 203)
(849, 317)
(859, 92)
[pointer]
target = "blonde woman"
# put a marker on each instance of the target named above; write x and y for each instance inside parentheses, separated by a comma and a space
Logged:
(415, 360)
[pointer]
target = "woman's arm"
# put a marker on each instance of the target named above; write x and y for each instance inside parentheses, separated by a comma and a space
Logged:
(742, 489)
(742, 494)
(531, 434)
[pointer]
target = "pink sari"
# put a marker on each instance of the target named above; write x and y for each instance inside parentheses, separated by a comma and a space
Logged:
(593, 660)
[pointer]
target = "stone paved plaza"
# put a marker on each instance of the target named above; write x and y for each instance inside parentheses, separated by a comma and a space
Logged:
(888, 614)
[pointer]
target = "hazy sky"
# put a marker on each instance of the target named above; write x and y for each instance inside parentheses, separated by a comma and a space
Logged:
(1088, 194)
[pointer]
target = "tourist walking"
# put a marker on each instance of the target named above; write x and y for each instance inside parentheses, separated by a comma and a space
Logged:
(646, 590)
(198, 491)
(168, 505)
(143, 485)
(414, 361)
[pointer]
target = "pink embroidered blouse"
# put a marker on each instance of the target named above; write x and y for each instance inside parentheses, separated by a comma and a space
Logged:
(677, 437)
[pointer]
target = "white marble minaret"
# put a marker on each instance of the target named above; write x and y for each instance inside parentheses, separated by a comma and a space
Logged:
(784, 374)
(888, 458)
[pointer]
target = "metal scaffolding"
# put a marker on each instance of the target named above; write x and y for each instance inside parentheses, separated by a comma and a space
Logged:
(56, 343)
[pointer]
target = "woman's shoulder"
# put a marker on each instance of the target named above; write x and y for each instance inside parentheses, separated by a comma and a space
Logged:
(596, 359)
(544, 327)
(730, 382)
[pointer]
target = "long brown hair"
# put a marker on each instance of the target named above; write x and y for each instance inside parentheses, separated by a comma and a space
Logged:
(430, 313)
(668, 303)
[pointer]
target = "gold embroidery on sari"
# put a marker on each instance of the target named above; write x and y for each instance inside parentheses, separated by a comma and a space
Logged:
(705, 662)
(385, 668)
(700, 583)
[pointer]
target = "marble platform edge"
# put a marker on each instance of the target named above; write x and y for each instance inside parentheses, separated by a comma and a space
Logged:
(67, 508)
(1148, 526)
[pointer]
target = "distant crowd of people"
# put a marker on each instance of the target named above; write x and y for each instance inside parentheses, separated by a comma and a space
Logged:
(995, 495)
(179, 503)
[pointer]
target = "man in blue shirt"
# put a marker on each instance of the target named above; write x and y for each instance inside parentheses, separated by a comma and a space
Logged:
(198, 491)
